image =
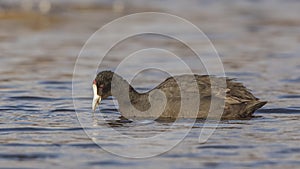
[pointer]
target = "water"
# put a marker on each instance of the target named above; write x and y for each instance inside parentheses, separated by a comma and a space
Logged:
(258, 42)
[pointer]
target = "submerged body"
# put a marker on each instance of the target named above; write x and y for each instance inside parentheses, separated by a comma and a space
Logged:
(184, 96)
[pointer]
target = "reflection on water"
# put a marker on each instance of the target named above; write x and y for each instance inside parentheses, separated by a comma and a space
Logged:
(258, 43)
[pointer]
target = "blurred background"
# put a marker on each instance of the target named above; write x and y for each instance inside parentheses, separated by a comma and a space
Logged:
(257, 40)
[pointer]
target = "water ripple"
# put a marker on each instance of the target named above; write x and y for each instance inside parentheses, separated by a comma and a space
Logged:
(289, 151)
(39, 129)
(63, 110)
(223, 147)
(28, 156)
(297, 80)
(34, 98)
(29, 145)
(289, 96)
(110, 162)
(280, 110)
(56, 82)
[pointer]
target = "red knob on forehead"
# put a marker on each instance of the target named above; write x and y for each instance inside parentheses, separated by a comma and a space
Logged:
(94, 82)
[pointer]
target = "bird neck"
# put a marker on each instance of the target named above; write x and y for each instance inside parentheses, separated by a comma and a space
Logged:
(120, 87)
(127, 95)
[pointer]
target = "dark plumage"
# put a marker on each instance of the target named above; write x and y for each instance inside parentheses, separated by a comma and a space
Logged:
(164, 101)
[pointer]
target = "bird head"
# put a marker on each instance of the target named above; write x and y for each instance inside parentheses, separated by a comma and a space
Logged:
(101, 87)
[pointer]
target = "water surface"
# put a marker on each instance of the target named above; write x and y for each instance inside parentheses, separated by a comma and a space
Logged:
(258, 42)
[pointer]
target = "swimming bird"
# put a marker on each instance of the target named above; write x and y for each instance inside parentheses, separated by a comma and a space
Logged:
(164, 101)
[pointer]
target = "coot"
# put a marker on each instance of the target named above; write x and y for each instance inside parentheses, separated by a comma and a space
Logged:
(164, 101)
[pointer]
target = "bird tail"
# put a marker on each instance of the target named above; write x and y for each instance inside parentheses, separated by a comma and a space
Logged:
(251, 108)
